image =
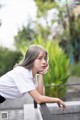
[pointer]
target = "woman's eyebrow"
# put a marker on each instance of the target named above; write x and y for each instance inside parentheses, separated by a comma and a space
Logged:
(40, 56)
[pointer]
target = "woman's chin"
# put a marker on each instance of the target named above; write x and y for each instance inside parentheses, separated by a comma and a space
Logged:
(41, 71)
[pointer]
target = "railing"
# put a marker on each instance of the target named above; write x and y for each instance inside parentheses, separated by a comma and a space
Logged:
(46, 112)
(35, 104)
(62, 85)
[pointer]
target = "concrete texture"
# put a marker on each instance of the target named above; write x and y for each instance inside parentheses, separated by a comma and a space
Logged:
(12, 115)
(72, 111)
(30, 113)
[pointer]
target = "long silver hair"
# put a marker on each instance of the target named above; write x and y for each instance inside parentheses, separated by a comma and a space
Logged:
(30, 56)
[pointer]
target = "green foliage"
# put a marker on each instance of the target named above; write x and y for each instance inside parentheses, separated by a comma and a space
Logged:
(43, 6)
(42, 31)
(24, 37)
(8, 59)
(27, 34)
(58, 69)
(71, 34)
(75, 37)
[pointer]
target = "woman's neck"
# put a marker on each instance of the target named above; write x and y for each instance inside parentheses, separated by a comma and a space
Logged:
(34, 72)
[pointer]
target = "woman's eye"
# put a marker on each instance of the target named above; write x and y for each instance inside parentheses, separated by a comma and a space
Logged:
(40, 58)
(45, 58)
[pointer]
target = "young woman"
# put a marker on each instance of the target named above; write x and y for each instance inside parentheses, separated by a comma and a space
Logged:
(22, 78)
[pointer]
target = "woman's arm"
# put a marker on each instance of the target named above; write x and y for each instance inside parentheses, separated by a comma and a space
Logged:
(45, 99)
(40, 87)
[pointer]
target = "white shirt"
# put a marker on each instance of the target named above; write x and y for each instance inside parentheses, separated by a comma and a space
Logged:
(17, 82)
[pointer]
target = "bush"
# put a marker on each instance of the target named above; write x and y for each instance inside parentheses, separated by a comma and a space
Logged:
(8, 59)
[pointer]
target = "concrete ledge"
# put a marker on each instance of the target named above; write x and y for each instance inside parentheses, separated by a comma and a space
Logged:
(72, 111)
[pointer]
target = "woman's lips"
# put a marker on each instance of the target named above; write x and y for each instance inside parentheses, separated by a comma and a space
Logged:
(43, 67)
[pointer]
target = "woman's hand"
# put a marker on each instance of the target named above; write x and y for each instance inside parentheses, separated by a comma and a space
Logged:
(61, 104)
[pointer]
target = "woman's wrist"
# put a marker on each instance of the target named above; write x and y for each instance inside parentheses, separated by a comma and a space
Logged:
(41, 76)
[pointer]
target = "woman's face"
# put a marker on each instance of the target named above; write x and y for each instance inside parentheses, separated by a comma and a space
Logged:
(40, 63)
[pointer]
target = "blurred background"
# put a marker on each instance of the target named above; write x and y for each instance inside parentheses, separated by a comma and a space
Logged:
(54, 24)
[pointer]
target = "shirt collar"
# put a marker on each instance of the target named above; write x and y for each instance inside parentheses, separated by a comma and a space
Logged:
(30, 71)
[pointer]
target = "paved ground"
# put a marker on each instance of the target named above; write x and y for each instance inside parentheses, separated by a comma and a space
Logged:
(12, 114)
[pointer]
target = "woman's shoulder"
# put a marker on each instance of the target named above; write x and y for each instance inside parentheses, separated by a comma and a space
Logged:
(23, 70)
(20, 68)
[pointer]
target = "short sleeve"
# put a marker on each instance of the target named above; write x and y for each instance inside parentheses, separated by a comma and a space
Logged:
(23, 81)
